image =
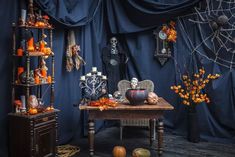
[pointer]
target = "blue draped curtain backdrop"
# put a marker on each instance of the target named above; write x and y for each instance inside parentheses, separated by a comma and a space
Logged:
(133, 22)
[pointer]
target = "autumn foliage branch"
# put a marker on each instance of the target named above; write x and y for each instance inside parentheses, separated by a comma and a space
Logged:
(191, 90)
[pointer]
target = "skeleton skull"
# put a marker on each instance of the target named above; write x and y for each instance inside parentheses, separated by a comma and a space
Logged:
(134, 83)
(113, 41)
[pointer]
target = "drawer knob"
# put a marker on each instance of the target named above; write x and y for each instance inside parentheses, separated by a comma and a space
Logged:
(45, 119)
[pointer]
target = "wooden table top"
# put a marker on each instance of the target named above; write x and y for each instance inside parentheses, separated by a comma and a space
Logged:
(161, 105)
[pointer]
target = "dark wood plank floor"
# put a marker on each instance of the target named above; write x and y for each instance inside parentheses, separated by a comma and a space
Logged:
(174, 146)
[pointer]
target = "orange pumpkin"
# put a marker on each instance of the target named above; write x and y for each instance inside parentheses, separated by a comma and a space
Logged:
(119, 151)
(49, 108)
(33, 111)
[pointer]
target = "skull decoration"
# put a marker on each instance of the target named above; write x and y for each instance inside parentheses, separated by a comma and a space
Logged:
(134, 83)
(113, 42)
(33, 101)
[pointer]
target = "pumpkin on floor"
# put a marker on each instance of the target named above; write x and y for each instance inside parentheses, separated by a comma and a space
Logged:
(119, 151)
(141, 152)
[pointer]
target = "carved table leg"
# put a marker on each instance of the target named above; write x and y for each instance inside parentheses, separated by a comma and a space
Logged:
(160, 132)
(152, 131)
(91, 135)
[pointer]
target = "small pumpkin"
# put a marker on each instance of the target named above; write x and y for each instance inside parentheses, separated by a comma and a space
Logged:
(141, 152)
(119, 151)
(49, 108)
(152, 98)
(33, 111)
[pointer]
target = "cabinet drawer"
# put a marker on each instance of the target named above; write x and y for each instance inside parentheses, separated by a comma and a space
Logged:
(44, 119)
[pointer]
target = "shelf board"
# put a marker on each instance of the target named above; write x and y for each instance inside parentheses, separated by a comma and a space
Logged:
(27, 115)
(34, 54)
(31, 85)
(34, 27)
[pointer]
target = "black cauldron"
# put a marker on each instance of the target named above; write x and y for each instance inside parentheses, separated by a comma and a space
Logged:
(136, 96)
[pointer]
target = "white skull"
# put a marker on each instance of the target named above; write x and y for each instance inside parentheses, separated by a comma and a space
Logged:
(113, 41)
(134, 83)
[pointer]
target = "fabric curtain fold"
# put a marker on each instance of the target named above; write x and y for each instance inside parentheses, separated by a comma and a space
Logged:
(133, 23)
(71, 13)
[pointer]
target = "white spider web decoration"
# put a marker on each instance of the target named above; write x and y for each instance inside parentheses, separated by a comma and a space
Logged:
(216, 24)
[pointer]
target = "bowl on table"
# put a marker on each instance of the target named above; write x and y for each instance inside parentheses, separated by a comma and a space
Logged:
(136, 96)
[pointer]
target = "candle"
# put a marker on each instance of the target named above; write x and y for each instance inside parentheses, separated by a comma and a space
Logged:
(36, 80)
(99, 73)
(83, 78)
(19, 52)
(49, 80)
(42, 46)
(19, 71)
(22, 98)
(44, 72)
(31, 44)
(104, 77)
(23, 16)
(89, 74)
(94, 69)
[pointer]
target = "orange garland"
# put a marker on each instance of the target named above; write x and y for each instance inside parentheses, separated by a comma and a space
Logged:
(103, 103)
(192, 91)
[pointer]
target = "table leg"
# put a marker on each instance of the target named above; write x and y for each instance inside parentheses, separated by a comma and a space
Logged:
(91, 135)
(160, 131)
(152, 130)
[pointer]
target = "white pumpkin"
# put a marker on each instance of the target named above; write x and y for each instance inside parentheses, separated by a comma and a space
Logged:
(152, 98)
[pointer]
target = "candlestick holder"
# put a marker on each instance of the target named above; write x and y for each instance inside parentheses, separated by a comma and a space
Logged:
(93, 84)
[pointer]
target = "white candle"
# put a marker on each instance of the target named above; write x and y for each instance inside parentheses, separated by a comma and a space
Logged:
(94, 69)
(89, 74)
(99, 73)
(23, 16)
(104, 77)
(83, 78)
(22, 97)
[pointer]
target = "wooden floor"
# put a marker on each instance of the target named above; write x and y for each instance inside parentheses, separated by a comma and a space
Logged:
(174, 146)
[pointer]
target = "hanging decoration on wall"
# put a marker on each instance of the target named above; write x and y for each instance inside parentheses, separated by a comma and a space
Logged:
(215, 22)
(165, 36)
(114, 63)
(73, 59)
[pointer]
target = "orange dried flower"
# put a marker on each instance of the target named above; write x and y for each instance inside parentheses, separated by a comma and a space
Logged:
(103, 103)
(191, 91)
(170, 31)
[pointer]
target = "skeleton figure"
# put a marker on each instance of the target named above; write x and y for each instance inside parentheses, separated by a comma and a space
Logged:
(113, 43)
(114, 63)
(134, 83)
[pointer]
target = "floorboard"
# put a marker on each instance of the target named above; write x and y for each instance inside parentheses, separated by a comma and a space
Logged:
(174, 146)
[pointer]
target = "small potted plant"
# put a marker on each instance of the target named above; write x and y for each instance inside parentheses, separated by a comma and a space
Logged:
(191, 93)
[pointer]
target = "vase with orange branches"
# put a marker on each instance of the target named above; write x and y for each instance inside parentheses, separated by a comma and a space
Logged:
(191, 93)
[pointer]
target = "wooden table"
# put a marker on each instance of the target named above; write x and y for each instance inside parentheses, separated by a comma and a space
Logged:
(125, 111)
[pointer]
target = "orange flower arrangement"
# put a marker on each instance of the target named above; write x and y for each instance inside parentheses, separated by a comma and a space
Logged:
(103, 103)
(170, 31)
(192, 91)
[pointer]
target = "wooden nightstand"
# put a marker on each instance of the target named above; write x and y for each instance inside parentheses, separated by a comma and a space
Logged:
(33, 135)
